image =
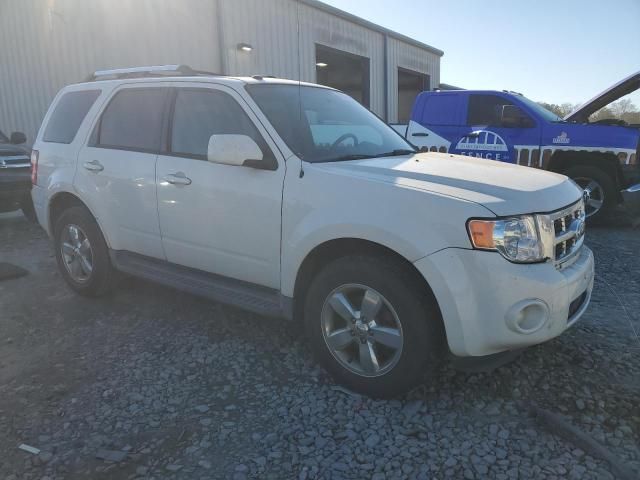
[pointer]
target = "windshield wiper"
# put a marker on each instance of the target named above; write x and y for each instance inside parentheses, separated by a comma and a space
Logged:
(360, 156)
(344, 158)
(395, 153)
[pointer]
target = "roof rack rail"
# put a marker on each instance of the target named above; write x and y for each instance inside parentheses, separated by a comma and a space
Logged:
(260, 77)
(150, 71)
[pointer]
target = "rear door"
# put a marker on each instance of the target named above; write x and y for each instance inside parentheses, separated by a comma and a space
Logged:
(116, 169)
(435, 122)
(485, 136)
(222, 219)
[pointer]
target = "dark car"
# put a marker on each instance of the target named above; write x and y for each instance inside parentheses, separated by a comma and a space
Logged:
(15, 175)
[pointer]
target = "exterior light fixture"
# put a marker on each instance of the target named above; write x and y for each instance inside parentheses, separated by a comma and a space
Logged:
(245, 47)
(322, 64)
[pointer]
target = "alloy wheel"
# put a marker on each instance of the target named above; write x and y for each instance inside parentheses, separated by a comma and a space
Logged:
(362, 330)
(594, 194)
(77, 255)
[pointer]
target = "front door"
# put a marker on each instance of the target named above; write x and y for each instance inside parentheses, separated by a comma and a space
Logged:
(485, 135)
(222, 219)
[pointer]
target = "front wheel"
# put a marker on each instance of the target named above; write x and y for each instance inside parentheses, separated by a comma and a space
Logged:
(372, 327)
(599, 188)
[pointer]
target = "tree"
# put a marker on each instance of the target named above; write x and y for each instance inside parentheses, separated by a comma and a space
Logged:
(561, 110)
(622, 107)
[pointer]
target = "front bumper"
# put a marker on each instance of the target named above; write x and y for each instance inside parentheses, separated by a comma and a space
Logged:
(15, 185)
(490, 305)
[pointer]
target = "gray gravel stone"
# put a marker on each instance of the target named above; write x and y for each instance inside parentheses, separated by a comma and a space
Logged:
(372, 440)
(185, 388)
(111, 455)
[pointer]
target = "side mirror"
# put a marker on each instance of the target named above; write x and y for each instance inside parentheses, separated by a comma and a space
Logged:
(17, 138)
(235, 150)
(513, 117)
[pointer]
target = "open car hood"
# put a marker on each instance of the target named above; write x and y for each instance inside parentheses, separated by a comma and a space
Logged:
(611, 94)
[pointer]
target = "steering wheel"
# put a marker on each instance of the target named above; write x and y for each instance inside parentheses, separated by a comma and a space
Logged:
(344, 137)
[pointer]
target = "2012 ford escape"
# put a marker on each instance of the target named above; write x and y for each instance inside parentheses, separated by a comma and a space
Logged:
(291, 199)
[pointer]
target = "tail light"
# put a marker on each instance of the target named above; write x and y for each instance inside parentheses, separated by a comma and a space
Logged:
(34, 166)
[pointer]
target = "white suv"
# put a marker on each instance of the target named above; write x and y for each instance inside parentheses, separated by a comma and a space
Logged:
(291, 199)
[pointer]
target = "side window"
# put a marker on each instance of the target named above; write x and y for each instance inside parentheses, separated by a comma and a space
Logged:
(68, 115)
(133, 120)
(200, 113)
(441, 109)
(486, 109)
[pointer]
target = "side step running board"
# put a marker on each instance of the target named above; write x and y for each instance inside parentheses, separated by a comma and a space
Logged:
(255, 298)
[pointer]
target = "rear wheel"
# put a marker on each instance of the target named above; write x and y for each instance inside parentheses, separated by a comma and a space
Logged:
(600, 190)
(372, 327)
(82, 253)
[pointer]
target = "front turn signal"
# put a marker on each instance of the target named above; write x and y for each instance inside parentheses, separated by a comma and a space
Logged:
(481, 232)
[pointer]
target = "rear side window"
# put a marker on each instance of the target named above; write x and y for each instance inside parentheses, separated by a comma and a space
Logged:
(68, 116)
(200, 113)
(133, 120)
(485, 109)
(440, 109)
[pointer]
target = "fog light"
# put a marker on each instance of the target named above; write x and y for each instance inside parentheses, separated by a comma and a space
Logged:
(527, 316)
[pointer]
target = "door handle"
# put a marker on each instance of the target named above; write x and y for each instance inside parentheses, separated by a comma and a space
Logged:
(93, 166)
(420, 134)
(178, 178)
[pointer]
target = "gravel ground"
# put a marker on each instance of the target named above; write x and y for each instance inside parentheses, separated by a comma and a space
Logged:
(154, 383)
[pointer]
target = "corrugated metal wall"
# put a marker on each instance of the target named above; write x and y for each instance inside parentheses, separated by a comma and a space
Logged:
(47, 44)
(272, 30)
(400, 54)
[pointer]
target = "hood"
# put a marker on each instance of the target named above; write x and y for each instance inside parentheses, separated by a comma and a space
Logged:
(503, 188)
(14, 156)
(8, 149)
(611, 94)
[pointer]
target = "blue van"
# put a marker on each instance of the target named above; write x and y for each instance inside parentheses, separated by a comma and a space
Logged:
(602, 157)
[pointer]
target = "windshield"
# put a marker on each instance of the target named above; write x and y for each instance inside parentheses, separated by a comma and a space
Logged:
(322, 125)
(547, 115)
(3, 138)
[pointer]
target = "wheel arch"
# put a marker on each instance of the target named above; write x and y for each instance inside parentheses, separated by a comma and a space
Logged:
(562, 160)
(341, 247)
(62, 201)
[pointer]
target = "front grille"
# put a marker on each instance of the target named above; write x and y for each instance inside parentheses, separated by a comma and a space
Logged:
(568, 229)
(15, 161)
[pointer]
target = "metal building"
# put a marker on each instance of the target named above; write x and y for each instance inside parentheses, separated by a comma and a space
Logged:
(47, 44)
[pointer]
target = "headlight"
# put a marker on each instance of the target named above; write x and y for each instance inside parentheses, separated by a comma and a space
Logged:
(516, 238)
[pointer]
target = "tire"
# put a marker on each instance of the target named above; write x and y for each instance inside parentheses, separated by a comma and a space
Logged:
(27, 209)
(422, 335)
(97, 280)
(601, 185)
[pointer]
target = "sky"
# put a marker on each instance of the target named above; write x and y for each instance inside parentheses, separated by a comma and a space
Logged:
(555, 51)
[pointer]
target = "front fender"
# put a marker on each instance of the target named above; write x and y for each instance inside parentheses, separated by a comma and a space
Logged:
(305, 240)
(323, 206)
